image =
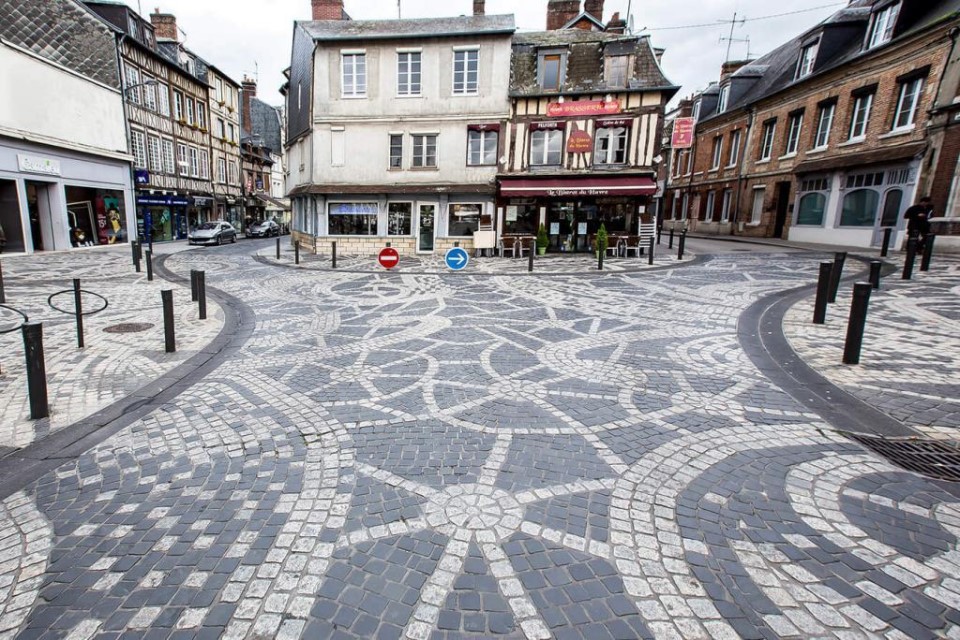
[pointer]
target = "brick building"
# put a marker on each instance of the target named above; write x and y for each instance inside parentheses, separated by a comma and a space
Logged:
(823, 139)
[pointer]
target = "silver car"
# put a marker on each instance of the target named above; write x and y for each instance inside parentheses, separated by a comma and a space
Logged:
(213, 233)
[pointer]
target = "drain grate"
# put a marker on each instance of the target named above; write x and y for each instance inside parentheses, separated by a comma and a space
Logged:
(128, 327)
(935, 458)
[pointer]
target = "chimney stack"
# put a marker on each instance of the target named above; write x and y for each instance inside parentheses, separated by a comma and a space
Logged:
(164, 25)
(249, 92)
(479, 7)
(560, 12)
(327, 9)
(595, 9)
(616, 24)
(727, 69)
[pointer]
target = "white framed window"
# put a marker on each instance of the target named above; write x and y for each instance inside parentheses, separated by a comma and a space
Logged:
(338, 146)
(156, 155)
(482, 147)
(793, 134)
(231, 130)
(734, 148)
(183, 160)
(190, 111)
(551, 70)
(221, 170)
(808, 55)
(178, 105)
(205, 165)
(710, 206)
(425, 151)
(824, 124)
(689, 168)
(907, 102)
(756, 211)
(201, 115)
(163, 99)
(219, 86)
(396, 150)
(860, 118)
(725, 205)
(221, 128)
(616, 71)
(766, 142)
(168, 163)
(139, 143)
(466, 72)
(724, 98)
(882, 24)
(610, 146)
(234, 173)
(194, 162)
(717, 152)
(695, 114)
(684, 208)
(149, 93)
(132, 75)
(546, 147)
(408, 73)
(353, 74)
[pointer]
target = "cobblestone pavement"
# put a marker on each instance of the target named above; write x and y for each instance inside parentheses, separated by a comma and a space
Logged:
(910, 363)
(112, 365)
(421, 456)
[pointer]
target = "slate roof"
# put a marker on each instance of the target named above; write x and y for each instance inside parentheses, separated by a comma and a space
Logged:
(64, 32)
(265, 122)
(409, 28)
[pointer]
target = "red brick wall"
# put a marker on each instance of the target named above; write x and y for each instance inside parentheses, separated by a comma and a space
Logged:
(327, 9)
(946, 166)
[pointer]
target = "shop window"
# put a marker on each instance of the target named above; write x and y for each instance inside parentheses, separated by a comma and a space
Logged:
(95, 216)
(425, 151)
(859, 208)
(352, 219)
(610, 146)
(811, 209)
(892, 202)
(522, 218)
(464, 219)
(399, 216)
(546, 147)
(482, 147)
(466, 72)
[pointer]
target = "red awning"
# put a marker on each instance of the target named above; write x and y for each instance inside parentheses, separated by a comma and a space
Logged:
(578, 187)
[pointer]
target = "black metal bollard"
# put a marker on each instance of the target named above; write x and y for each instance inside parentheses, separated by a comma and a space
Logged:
(78, 311)
(149, 256)
(838, 259)
(659, 232)
(193, 285)
(3, 293)
(858, 321)
(910, 259)
(682, 244)
(650, 249)
(136, 256)
(296, 252)
(823, 293)
(36, 369)
(530, 261)
(278, 247)
(202, 294)
(333, 253)
(670, 245)
(139, 250)
(875, 266)
(885, 248)
(169, 337)
(455, 244)
(600, 253)
(927, 252)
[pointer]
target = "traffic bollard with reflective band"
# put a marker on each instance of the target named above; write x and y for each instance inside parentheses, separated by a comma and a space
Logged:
(78, 310)
(682, 244)
(194, 290)
(530, 263)
(839, 259)
(857, 323)
(875, 266)
(149, 256)
(885, 248)
(333, 253)
(169, 336)
(202, 294)
(823, 293)
(296, 253)
(135, 256)
(3, 293)
(927, 252)
(36, 369)
(910, 259)
(650, 257)
(670, 245)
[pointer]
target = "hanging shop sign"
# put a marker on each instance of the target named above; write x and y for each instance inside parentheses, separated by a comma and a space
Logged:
(683, 133)
(579, 142)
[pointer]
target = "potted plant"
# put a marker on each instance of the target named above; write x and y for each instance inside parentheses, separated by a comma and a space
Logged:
(542, 240)
(601, 244)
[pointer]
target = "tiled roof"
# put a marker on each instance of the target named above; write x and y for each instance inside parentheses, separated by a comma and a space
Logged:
(412, 28)
(63, 32)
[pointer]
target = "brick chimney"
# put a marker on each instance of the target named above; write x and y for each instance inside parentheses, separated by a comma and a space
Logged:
(560, 12)
(479, 7)
(594, 8)
(616, 24)
(249, 92)
(164, 25)
(327, 9)
(727, 69)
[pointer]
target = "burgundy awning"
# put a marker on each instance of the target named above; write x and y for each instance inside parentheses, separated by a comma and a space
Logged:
(587, 186)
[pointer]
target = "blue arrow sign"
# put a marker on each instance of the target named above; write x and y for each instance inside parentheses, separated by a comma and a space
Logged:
(457, 258)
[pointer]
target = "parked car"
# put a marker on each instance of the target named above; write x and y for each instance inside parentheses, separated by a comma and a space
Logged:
(263, 229)
(213, 233)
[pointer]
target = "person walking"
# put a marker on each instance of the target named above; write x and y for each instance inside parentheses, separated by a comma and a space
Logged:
(918, 221)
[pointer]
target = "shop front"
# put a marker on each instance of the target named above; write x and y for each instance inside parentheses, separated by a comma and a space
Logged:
(162, 218)
(572, 208)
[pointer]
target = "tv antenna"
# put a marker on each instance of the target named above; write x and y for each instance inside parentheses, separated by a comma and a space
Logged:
(730, 39)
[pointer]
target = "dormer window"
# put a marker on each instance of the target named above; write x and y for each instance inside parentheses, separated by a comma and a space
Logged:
(881, 26)
(696, 111)
(551, 70)
(617, 71)
(808, 55)
(724, 96)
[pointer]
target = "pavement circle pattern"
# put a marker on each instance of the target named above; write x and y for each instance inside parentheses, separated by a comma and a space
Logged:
(416, 457)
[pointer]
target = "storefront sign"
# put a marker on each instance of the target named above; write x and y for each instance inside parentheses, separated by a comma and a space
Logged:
(163, 201)
(32, 164)
(202, 201)
(549, 125)
(557, 193)
(141, 176)
(483, 127)
(579, 142)
(354, 208)
(683, 133)
(613, 123)
(583, 108)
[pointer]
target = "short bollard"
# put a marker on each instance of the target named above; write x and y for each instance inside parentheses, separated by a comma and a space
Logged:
(682, 244)
(455, 244)
(296, 253)
(858, 321)
(202, 294)
(823, 293)
(278, 247)
(600, 253)
(36, 369)
(670, 245)
(149, 257)
(659, 232)
(333, 253)
(194, 291)
(78, 311)
(650, 251)
(530, 261)
(875, 266)
(3, 293)
(838, 259)
(139, 250)
(885, 247)
(927, 252)
(169, 338)
(135, 256)
(910, 259)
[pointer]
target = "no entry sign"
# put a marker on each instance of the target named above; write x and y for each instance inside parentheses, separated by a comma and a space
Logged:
(388, 258)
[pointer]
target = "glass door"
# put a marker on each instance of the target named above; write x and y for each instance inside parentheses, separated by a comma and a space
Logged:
(426, 224)
(890, 216)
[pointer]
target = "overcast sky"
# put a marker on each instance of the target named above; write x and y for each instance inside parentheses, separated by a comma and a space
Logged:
(253, 36)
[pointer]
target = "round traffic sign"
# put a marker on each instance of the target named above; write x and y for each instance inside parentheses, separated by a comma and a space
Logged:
(388, 258)
(456, 258)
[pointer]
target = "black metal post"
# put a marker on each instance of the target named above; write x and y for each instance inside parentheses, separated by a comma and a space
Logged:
(202, 294)
(858, 321)
(910, 259)
(885, 248)
(838, 259)
(169, 337)
(194, 289)
(136, 257)
(333, 253)
(149, 256)
(3, 293)
(78, 310)
(927, 252)
(670, 246)
(296, 252)
(682, 244)
(659, 232)
(36, 369)
(823, 293)
(650, 248)
(600, 253)
(278, 247)
(455, 244)
(139, 250)
(875, 266)
(530, 263)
